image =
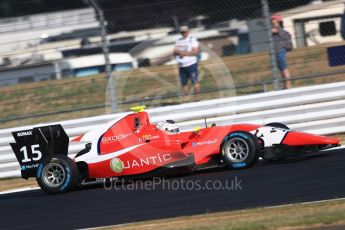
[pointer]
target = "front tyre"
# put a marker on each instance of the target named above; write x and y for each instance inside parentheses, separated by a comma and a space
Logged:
(240, 150)
(58, 175)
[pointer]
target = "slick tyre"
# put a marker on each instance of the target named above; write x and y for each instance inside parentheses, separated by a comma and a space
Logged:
(58, 175)
(240, 150)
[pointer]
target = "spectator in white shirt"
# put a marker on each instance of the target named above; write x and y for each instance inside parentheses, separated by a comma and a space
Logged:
(186, 52)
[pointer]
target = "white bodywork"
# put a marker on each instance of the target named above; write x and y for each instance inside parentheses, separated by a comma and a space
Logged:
(270, 135)
(93, 137)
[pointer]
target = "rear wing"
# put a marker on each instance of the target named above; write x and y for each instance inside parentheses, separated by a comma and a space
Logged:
(37, 145)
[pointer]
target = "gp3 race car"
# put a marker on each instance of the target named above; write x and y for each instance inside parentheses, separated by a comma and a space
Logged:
(131, 147)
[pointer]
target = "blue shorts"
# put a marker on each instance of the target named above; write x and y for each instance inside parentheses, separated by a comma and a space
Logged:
(281, 59)
(189, 72)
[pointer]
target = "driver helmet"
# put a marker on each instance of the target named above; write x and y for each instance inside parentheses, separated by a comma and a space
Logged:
(168, 126)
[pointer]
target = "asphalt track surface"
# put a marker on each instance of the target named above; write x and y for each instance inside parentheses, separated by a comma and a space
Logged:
(316, 177)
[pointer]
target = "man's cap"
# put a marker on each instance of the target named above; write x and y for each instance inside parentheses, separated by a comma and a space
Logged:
(184, 29)
(277, 17)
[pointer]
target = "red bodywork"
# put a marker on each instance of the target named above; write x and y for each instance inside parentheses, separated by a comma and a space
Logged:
(135, 146)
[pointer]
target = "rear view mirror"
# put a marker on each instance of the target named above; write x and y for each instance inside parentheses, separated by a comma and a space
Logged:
(327, 28)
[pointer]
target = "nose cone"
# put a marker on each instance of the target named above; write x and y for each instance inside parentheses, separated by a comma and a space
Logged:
(298, 139)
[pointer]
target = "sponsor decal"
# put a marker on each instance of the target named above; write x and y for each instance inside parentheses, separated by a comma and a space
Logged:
(25, 133)
(200, 143)
(116, 165)
(147, 137)
(238, 134)
(107, 179)
(152, 160)
(67, 180)
(119, 137)
(239, 165)
(28, 167)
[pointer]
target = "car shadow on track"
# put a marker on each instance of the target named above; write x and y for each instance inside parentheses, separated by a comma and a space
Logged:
(260, 164)
(303, 158)
(208, 171)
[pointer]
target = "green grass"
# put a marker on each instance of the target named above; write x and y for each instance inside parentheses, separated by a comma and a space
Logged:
(303, 216)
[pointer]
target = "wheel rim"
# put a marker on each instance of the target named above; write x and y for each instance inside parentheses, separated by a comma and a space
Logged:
(53, 174)
(237, 150)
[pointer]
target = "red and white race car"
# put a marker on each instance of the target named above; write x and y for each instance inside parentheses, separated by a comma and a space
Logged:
(132, 147)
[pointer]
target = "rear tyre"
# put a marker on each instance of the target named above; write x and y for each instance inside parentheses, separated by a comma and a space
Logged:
(240, 150)
(278, 125)
(58, 175)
